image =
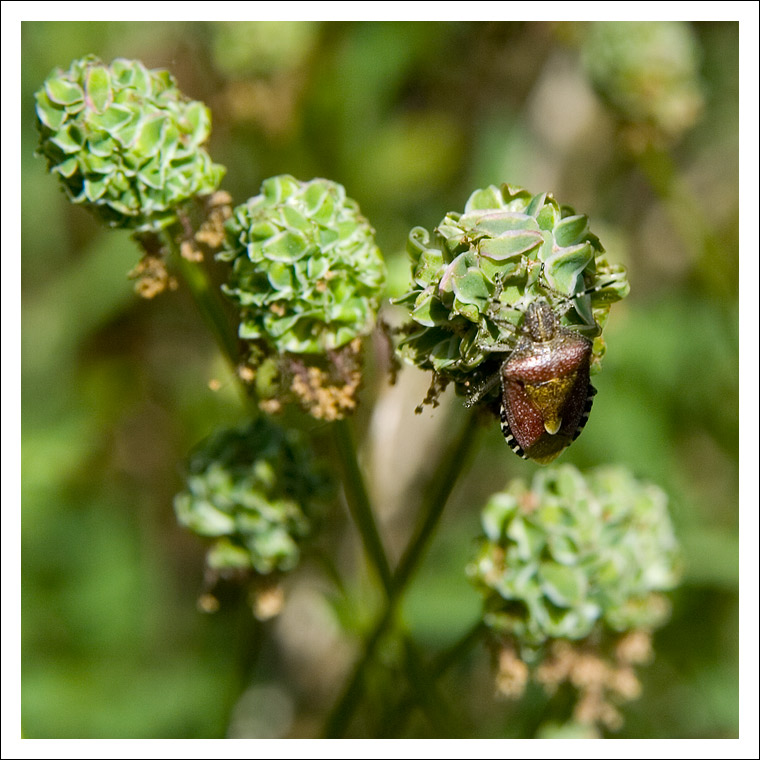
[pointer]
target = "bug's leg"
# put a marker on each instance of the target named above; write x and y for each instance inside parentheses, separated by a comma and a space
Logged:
(482, 389)
(497, 348)
(616, 274)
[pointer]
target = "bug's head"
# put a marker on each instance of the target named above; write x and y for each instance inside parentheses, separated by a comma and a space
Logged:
(540, 322)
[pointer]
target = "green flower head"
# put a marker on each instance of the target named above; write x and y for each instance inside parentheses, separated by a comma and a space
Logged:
(648, 73)
(476, 274)
(125, 142)
(575, 555)
(306, 272)
(254, 490)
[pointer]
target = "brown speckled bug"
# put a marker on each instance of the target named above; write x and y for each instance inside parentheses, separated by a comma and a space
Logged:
(546, 393)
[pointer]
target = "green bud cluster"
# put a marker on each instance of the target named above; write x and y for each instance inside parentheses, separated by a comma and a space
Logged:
(648, 72)
(125, 142)
(306, 272)
(574, 555)
(475, 275)
(255, 491)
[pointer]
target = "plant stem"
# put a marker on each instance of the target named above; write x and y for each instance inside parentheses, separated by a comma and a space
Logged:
(442, 483)
(435, 669)
(451, 464)
(340, 717)
(207, 300)
(358, 502)
(443, 720)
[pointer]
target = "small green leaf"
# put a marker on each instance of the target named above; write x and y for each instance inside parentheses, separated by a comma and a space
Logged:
(487, 198)
(202, 517)
(148, 141)
(501, 508)
(287, 246)
(98, 88)
(263, 230)
(316, 268)
(536, 204)
(467, 310)
(294, 219)
(51, 116)
(95, 189)
(63, 92)
(429, 311)
(224, 555)
(69, 140)
(529, 539)
(495, 223)
(571, 230)
(564, 267)
(68, 167)
(510, 244)
(153, 174)
(564, 585)
(101, 146)
(198, 119)
(548, 215)
(280, 276)
(472, 288)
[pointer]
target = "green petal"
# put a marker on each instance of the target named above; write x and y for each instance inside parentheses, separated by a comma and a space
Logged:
(565, 586)
(63, 92)
(571, 230)
(510, 244)
(98, 88)
(564, 267)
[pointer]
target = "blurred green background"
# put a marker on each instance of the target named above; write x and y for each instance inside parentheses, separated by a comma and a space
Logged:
(410, 117)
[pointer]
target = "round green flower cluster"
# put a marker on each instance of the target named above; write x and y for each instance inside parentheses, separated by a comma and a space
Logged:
(125, 142)
(306, 272)
(573, 554)
(254, 490)
(648, 72)
(476, 274)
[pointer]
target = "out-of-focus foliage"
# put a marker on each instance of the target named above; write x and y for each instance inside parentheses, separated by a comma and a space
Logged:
(114, 389)
(648, 71)
(254, 490)
(569, 553)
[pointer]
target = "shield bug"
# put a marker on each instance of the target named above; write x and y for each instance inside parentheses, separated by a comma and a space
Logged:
(546, 393)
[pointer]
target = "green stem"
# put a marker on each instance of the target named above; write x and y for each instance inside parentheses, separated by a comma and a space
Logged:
(208, 301)
(435, 669)
(340, 717)
(443, 720)
(453, 462)
(358, 503)
(442, 483)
